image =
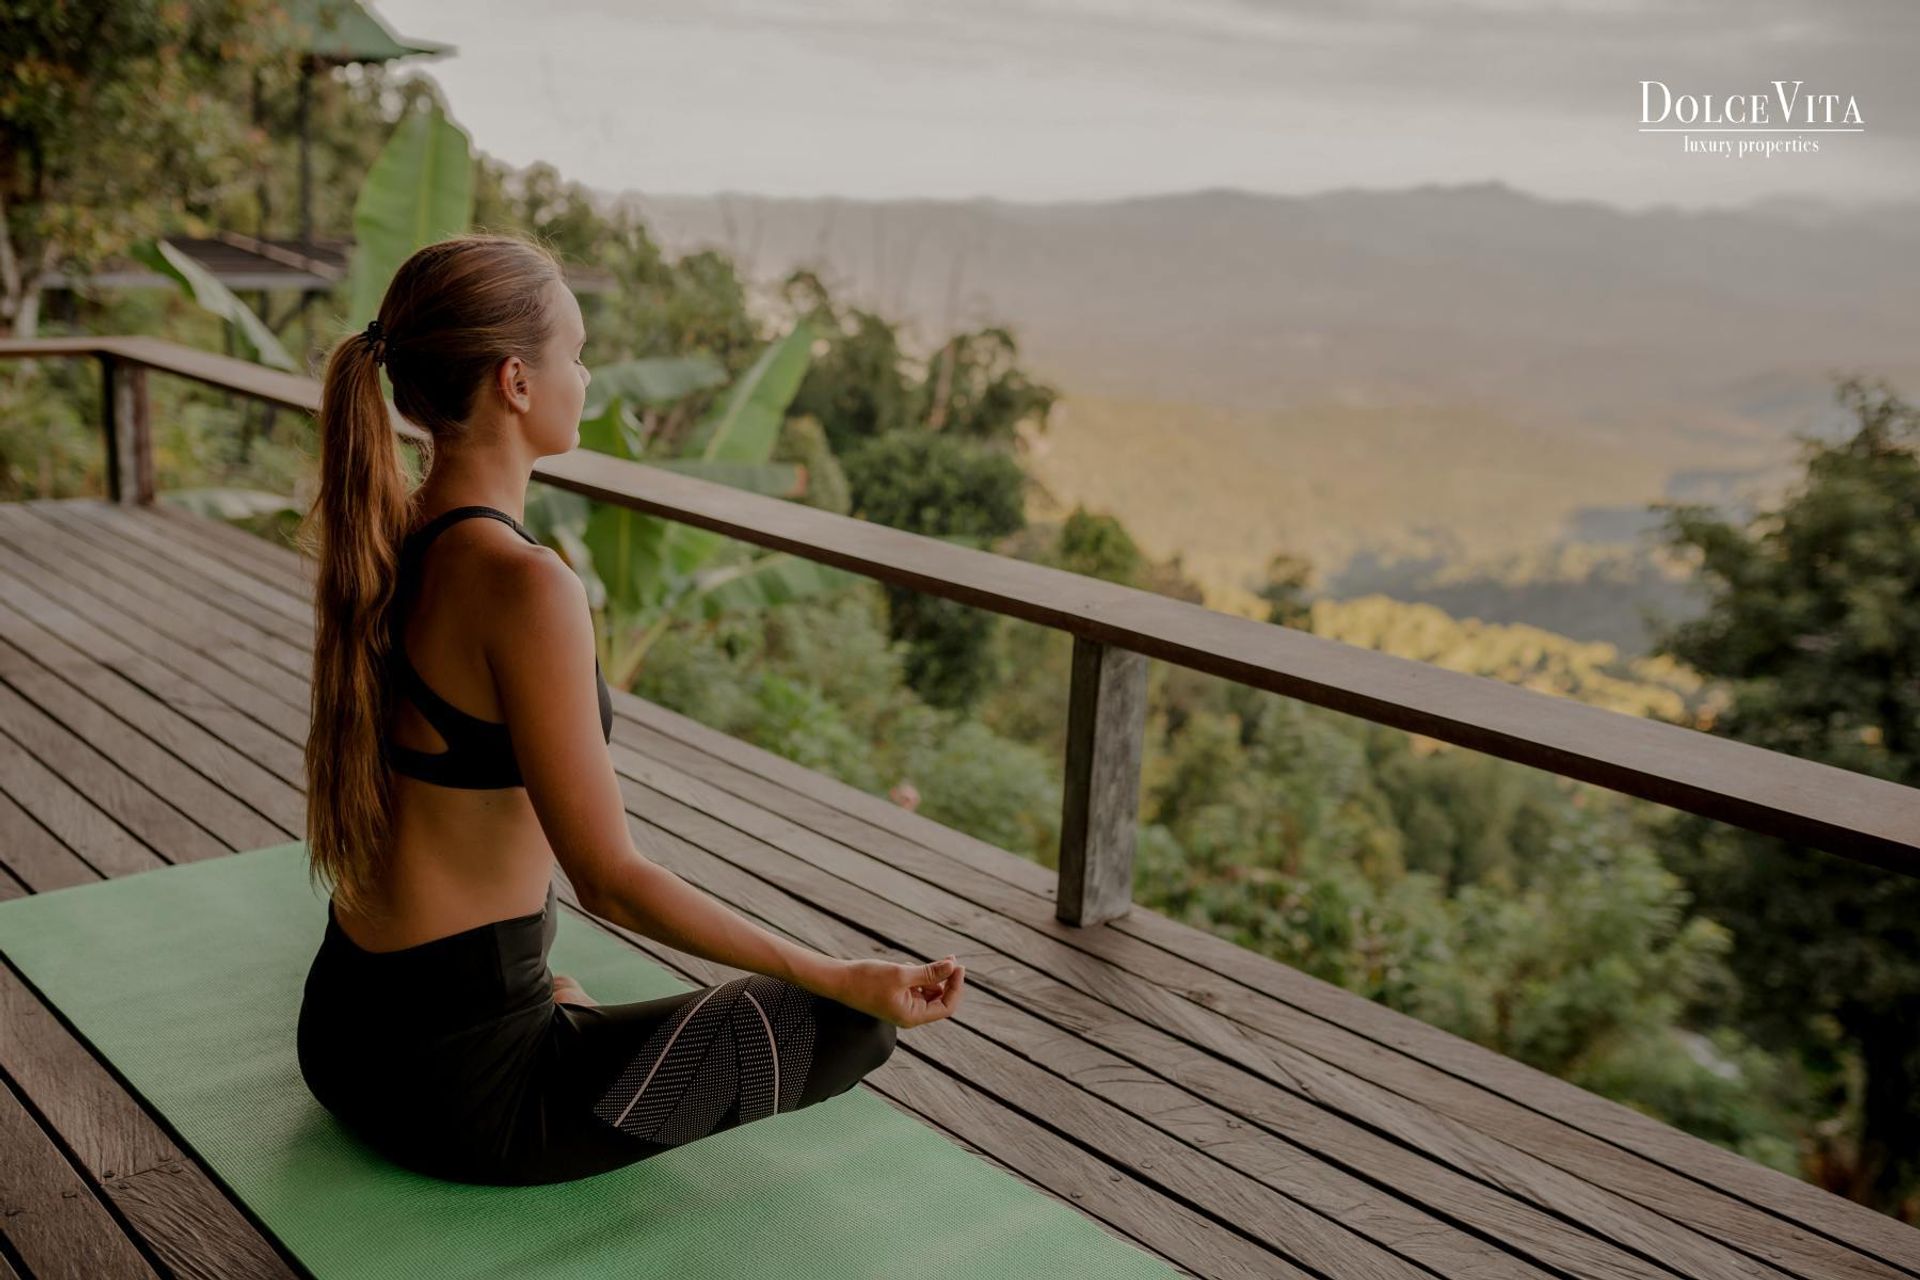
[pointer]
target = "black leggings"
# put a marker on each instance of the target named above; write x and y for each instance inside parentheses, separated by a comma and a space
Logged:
(652, 1075)
(452, 1058)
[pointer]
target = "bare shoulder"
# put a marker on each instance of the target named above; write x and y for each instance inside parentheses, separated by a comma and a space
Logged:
(531, 597)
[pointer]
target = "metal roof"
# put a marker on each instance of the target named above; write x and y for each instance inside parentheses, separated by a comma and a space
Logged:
(343, 31)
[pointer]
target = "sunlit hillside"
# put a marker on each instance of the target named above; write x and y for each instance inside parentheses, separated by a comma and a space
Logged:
(1228, 488)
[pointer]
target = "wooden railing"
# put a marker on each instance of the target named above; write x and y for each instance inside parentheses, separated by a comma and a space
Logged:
(1116, 629)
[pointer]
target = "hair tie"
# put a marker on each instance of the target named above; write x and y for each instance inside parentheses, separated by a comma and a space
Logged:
(376, 337)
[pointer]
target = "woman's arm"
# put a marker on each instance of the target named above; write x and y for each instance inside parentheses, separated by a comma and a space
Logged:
(540, 649)
(651, 899)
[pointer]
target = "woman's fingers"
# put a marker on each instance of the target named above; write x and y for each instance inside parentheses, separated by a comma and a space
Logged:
(927, 992)
(938, 1002)
(935, 974)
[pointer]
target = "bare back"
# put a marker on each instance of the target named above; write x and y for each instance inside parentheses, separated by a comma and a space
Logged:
(461, 857)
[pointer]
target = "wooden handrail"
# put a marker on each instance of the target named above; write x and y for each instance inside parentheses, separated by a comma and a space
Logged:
(1851, 814)
(243, 377)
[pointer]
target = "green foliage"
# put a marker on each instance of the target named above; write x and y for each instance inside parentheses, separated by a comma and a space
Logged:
(1592, 671)
(926, 450)
(49, 433)
(803, 442)
(1098, 546)
(944, 487)
(419, 190)
(538, 201)
(1586, 974)
(642, 571)
(662, 308)
(114, 115)
(937, 485)
(975, 388)
(1280, 826)
(1814, 625)
(652, 380)
(1289, 579)
(857, 388)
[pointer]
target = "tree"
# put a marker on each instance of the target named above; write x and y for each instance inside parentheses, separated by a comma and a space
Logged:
(1286, 590)
(945, 487)
(1814, 624)
(975, 387)
(856, 389)
(117, 116)
(1099, 546)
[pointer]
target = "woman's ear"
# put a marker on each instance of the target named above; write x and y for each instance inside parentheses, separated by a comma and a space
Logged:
(512, 382)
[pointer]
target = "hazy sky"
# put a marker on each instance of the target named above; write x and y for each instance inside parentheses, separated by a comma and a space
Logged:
(1089, 99)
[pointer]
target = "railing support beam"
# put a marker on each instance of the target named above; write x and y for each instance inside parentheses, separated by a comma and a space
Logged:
(1106, 722)
(129, 430)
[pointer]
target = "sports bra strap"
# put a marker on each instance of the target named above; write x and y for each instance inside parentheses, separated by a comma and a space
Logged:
(417, 541)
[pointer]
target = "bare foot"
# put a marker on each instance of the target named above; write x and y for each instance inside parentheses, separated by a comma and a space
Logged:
(567, 991)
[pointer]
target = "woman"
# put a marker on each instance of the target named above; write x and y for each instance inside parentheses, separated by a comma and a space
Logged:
(458, 748)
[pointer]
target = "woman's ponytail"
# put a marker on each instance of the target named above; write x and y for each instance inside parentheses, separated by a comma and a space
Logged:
(360, 513)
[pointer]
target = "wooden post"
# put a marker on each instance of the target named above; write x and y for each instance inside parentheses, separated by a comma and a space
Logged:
(129, 431)
(1106, 721)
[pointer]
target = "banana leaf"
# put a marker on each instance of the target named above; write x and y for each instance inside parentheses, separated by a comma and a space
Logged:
(419, 190)
(778, 578)
(652, 381)
(200, 285)
(744, 428)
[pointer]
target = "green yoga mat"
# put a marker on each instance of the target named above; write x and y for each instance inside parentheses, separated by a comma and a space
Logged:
(188, 979)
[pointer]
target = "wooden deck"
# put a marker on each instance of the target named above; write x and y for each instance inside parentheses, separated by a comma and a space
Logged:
(1228, 1113)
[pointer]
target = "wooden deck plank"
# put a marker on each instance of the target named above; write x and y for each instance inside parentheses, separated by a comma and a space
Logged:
(184, 564)
(80, 763)
(68, 815)
(10, 885)
(121, 1149)
(1127, 1210)
(191, 723)
(32, 856)
(49, 1216)
(178, 733)
(1064, 1104)
(1138, 1044)
(163, 774)
(153, 572)
(177, 637)
(1300, 1010)
(1143, 1069)
(1715, 1257)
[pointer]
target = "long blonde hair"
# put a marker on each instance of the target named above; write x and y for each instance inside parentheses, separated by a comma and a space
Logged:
(453, 311)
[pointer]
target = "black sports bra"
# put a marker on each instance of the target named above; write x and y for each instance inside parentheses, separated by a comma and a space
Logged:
(479, 753)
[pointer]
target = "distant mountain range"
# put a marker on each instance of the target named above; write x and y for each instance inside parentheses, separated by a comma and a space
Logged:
(1468, 370)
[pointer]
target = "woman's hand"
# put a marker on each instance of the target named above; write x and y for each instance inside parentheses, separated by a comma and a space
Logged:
(907, 995)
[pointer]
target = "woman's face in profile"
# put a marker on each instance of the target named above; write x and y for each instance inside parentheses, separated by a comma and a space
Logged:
(561, 378)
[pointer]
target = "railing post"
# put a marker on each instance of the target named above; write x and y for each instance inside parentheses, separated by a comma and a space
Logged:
(129, 430)
(1106, 722)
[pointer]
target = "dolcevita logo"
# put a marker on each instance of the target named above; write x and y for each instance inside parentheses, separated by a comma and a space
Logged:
(1790, 108)
(1704, 120)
